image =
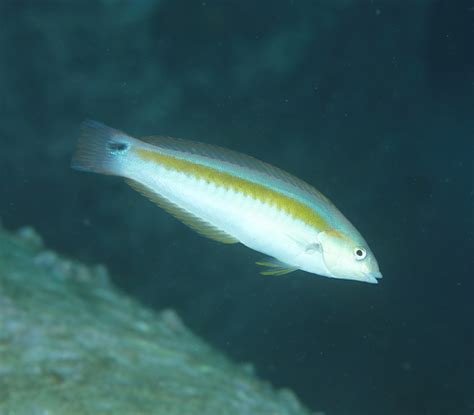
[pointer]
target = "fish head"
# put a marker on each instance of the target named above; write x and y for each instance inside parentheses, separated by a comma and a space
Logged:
(348, 257)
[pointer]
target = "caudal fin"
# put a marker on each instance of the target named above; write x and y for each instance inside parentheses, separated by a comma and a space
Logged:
(100, 149)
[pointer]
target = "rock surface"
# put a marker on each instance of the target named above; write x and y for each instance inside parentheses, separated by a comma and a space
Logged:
(70, 343)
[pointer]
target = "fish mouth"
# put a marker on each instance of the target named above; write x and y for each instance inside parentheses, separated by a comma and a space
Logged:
(373, 277)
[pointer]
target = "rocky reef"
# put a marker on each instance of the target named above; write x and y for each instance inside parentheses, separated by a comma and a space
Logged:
(71, 343)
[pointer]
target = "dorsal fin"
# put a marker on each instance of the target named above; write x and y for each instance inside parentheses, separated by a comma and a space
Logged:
(235, 163)
(197, 224)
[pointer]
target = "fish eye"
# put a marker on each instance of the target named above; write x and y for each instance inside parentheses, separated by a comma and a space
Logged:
(360, 253)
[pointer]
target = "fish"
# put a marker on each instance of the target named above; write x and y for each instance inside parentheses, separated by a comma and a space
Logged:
(233, 198)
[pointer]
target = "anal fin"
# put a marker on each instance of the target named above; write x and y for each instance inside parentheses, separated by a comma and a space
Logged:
(195, 223)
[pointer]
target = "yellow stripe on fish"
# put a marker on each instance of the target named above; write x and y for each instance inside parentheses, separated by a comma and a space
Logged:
(259, 192)
(231, 197)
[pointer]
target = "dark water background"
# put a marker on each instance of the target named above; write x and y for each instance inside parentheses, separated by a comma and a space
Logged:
(370, 101)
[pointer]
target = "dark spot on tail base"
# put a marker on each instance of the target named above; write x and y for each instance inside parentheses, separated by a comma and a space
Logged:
(117, 146)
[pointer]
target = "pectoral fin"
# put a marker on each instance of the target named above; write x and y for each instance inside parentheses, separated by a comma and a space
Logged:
(308, 246)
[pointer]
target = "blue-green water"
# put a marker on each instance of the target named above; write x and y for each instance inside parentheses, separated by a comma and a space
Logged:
(370, 101)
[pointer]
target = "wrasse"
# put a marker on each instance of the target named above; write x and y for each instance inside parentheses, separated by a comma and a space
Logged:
(231, 198)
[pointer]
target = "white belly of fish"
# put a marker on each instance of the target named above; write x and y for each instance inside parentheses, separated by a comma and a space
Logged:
(255, 224)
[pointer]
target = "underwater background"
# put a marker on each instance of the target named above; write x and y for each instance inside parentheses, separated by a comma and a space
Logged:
(370, 101)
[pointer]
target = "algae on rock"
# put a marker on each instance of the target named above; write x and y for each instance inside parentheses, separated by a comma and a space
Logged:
(70, 343)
